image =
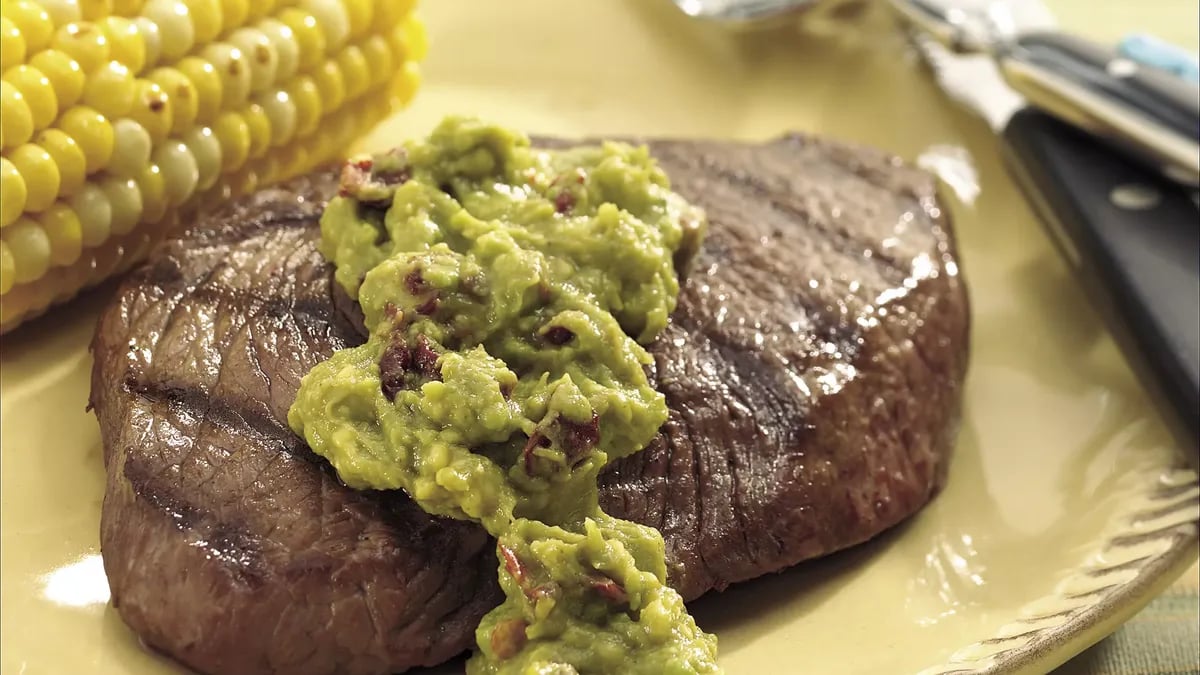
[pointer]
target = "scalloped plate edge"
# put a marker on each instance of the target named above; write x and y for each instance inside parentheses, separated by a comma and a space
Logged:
(1154, 543)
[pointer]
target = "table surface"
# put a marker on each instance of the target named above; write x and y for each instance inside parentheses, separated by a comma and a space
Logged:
(1163, 638)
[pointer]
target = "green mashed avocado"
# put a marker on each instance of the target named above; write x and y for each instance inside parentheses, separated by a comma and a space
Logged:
(508, 292)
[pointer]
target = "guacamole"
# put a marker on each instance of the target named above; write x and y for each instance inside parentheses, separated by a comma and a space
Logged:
(508, 292)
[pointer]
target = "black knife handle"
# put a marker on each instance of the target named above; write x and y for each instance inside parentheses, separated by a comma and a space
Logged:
(1134, 239)
(1142, 110)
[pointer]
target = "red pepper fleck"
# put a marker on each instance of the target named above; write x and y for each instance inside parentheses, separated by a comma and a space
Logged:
(537, 440)
(354, 175)
(414, 283)
(564, 202)
(393, 365)
(558, 335)
(548, 590)
(609, 590)
(578, 438)
(425, 358)
(429, 306)
(512, 564)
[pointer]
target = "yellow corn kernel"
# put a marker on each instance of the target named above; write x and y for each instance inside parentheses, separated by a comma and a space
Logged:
(257, 9)
(64, 74)
(260, 129)
(128, 7)
(110, 90)
(125, 42)
(234, 70)
(68, 158)
(287, 50)
(30, 249)
(152, 185)
(406, 83)
(152, 37)
(309, 37)
(359, 13)
(234, 136)
(244, 181)
(107, 260)
(12, 44)
(33, 22)
(153, 110)
(64, 232)
(12, 193)
(39, 94)
(281, 112)
(16, 120)
(207, 83)
(137, 245)
(388, 13)
(260, 55)
(183, 95)
(414, 41)
(84, 42)
(95, 214)
(205, 147)
(180, 173)
(307, 100)
(41, 175)
(126, 201)
(355, 71)
(174, 21)
(293, 160)
(234, 12)
(131, 148)
(92, 132)
(94, 10)
(207, 19)
(8, 268)
(331, 18)
(330, 85)
(62, 12)
(381, 62)
(268, 168)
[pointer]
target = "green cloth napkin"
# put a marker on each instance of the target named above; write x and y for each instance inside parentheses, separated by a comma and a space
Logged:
(1163, 638)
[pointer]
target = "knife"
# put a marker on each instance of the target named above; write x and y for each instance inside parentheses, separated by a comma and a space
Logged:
(1152, 115)
(1130, 234)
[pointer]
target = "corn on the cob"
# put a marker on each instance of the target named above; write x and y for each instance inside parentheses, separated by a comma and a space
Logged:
(119, 117)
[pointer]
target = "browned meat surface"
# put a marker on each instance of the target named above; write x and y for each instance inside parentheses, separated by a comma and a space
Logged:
(813, 368)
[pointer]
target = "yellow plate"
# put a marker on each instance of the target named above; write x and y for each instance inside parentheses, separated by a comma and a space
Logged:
(1065, 511)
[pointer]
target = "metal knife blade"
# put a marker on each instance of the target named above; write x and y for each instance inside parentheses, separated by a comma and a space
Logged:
(1130, 235)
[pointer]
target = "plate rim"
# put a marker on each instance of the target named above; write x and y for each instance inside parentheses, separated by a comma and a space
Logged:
(1154, 545)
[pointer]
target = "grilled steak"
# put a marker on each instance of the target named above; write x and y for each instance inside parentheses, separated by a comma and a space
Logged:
(813, 370)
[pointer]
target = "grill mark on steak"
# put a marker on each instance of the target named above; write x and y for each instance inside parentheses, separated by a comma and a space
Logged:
(200, 355)
(318, 311)
(222, 411)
